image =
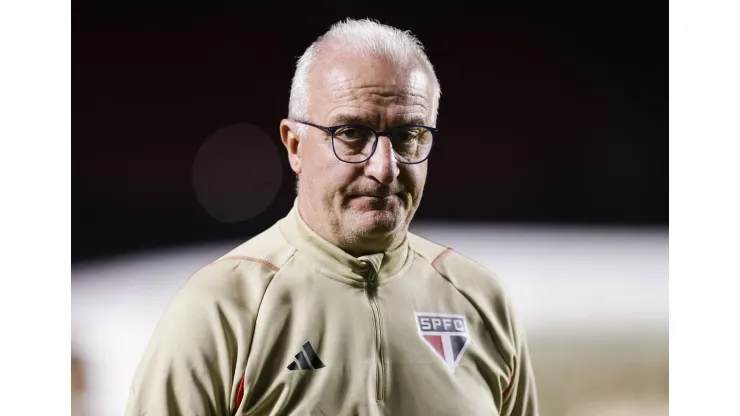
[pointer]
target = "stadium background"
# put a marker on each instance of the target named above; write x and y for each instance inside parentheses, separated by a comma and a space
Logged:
(551, 169)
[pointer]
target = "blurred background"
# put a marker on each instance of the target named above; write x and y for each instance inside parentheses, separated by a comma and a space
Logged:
(551, 169)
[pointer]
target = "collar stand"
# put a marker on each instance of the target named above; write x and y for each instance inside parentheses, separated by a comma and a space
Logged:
(337, 261)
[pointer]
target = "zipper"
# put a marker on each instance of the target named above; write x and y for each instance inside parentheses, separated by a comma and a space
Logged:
(371, 287)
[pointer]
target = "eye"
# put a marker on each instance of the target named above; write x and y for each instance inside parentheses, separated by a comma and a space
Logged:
(407, 134)
(353, 133)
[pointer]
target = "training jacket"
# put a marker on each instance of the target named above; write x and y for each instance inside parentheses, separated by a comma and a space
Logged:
(289, 324)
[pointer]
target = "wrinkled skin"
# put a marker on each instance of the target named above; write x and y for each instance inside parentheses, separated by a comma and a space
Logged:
(362, 208)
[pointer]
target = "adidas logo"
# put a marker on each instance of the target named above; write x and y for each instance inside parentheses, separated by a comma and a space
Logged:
(301, 363)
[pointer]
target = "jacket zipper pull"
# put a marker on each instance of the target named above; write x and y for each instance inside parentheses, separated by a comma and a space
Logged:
(368, 272)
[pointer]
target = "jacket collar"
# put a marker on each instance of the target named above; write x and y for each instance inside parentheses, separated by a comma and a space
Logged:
(335, 261)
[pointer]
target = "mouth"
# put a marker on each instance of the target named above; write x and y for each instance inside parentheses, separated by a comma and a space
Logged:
(379, 194)
(375, 196)
(376, 201)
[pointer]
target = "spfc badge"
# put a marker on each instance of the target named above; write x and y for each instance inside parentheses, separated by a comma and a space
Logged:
(446, 334)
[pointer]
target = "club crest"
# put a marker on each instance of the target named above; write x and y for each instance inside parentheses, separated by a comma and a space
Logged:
(446, 334)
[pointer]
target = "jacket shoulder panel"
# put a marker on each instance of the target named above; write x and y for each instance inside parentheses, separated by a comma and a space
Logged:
(479, 285)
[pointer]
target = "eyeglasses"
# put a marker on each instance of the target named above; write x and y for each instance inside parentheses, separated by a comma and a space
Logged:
(356, 143)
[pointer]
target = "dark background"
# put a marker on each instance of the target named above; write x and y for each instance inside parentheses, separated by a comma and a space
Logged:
(548, 116)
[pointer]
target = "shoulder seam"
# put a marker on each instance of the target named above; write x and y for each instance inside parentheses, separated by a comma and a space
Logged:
(440, 256)
(263, 262)
(423, 254)
(252, 259)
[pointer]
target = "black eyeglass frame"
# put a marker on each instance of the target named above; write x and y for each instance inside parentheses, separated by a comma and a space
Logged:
(378, 134)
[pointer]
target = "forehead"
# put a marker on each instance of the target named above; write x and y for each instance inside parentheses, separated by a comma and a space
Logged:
(348, 87)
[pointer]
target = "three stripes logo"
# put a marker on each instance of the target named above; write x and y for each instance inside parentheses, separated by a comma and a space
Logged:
(446, 334)
(302, 360)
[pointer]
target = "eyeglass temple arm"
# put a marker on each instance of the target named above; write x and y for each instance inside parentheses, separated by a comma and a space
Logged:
(329, 129)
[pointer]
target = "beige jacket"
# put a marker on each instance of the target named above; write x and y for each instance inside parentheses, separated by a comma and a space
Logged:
(288, 324)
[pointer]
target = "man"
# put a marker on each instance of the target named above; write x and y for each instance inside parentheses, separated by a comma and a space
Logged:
(337, 309)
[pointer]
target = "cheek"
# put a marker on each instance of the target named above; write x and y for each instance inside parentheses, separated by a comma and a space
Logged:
(318, 165)
(331, 176)
(415, 178)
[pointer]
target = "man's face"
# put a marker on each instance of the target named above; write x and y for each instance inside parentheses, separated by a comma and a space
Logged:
(368, 205)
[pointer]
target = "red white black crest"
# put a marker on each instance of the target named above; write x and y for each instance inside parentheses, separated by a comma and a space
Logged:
(446, 334)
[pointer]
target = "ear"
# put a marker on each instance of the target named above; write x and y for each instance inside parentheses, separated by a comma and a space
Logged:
(291, 140)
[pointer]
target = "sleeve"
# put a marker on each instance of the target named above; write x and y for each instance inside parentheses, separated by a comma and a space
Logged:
(189, 365)
(520, 397)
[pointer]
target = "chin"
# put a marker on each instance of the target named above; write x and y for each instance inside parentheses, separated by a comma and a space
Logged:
(373, 217)
(378, 223)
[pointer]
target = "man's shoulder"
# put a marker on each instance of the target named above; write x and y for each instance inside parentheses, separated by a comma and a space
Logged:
(481, 286)
(252, 263)
(267, 250)
(463, 272)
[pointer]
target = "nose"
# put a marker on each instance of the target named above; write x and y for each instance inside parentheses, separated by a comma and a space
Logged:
(383, 165)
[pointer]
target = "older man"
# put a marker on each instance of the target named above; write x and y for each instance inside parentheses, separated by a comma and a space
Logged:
(337, 309)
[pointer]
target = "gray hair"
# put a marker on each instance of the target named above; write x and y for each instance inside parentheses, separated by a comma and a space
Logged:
(367, 37)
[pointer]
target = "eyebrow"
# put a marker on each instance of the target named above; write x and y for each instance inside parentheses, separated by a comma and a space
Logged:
(344, 118)
(340, 119)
